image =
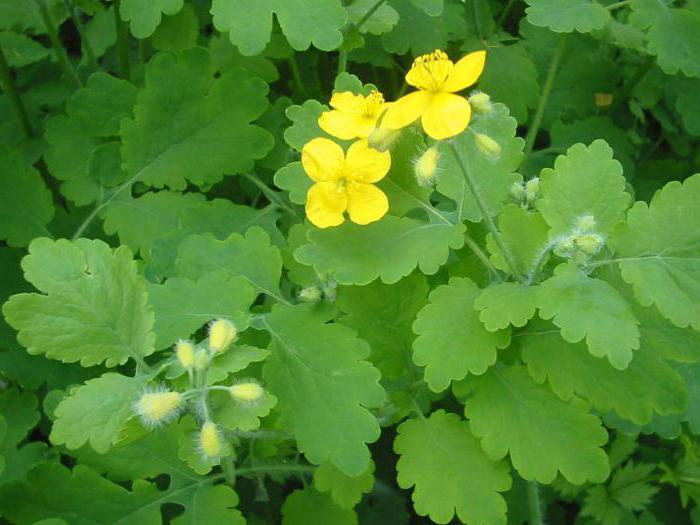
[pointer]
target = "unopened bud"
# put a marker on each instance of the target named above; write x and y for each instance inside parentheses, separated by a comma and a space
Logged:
(481, 102)
(210, 440)
(565, 247)
(517, 190)
(383, 139)
(221, 334)
(201, 359)
(426, 166)
(155, 408)
(532, 187)
(603, 100)
(590, 243)
(184, 350)
(310, 294)
(488, 146)
(246, 392)
(586, 223)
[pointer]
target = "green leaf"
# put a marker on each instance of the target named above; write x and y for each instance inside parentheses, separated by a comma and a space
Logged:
(144, 17)
(585, 181)
(543, 435)
(492, 177)
(182, 306)
(565, 16)
(251, 257)
(241, 416)
(185, 126)
(389, 249)
(93, 308)
(19, 416)
(305, 124)
(234, 360)
(324, 386)
(346, 491)
(294, 179)
(96, 412)
(649, 385)
(450, 472)
(383, 314)
(585, 307)
(303, 22)
(381, 21)
(658, 251)
(26, 205)
(212, 504)
(190, 450)
(177, 32)
(310, 507)
(20, 50)
(505, 304)
(451, 341)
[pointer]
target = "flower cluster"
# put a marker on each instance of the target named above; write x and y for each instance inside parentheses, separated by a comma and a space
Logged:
(160, 405)
(345, 181)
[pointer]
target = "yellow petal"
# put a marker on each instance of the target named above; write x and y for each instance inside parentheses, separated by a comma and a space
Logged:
(322, 159)
(446, 116)
(348, 102)
(466, 72)
(366, 203)
(346, 126)
(365, 164)
(325, 204)
(406, 110)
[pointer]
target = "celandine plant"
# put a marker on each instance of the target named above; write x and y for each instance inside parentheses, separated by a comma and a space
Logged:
(243, 285)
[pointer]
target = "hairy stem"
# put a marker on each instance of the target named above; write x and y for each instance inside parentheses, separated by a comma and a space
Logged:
(8, 86)
(57, 45)
(476, 250)
(229, 470)
(122, 43)
(533, 503)
(271, 195)
(537, 120)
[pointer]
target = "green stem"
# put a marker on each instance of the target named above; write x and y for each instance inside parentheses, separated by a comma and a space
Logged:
(229, 470)
(57, 45)
(476, 250)
(617, 5)
(484, 212)
(551, 74)
(122, 42)
(369, 13)
(296, 74)
(477, 21)
(8, 86)
(342, 61)
(505, 12)
(534, 505)
(271, 195)
(276, 468)
(343, 54)
(87, 47)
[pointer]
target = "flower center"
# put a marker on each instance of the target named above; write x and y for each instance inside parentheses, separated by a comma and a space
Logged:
(373, 104)
(431, 70)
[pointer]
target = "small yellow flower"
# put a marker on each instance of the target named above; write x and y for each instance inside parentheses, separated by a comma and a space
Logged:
(353, 116)
(344, 182)
(443, 114)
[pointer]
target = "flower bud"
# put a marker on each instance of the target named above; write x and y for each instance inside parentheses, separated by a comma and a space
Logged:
(586, 223)
(488, 146)
(517, 190)
(533, 185)
(155, 408)
(564, 247)
(221, 334)
(383, 139)
(210, 440)
(184, 350)
(590, 243)
(426, 166)
(246, 392)
(310, 294)
(603, 100)
(201, 359)
(481, 102)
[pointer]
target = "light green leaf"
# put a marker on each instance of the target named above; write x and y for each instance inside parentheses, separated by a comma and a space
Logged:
(451, 341)
(324, 386)
(565, 16)
(177, 32)
(586, 307)
(493, 177)
(245, 417)
(294, 179)
(144, 17)
(212, 137)
(381, 21)
(505, 304)
(20, 50)
(389, 249)
(305, 123)
(212, 504)
(26, 205)
(96, 412)
(93, 308)
(235, 359)
(450, 472)
(585, 181)
(649, 385)
(310, 507)
(345, 490)
(303, 22)
(542, 434)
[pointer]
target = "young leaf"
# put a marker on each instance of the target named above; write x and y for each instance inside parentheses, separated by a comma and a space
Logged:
(512, 414)
(658, 251)
(93, 308)
(233, 415)
(451, 340)
(450, 472)
(310, 507)
(505, 304)
(346, 491)
(324, 386)
(389, 249)
(144, 17)
(565, 16)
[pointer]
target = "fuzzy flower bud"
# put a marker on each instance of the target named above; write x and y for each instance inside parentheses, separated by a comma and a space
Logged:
(488, 146)
(246, 392)
(201, 359)
(590, 243)
(155, 408)
(517, 190)
(481, 102)
(184, 350)
(426, 166)
(586, 223)
(210, 440)
(383, 139)
(221, 334)
(532, 186)
(310, 294)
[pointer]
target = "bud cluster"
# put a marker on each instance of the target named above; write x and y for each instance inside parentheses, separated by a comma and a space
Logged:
(526, 193)
(582, 243)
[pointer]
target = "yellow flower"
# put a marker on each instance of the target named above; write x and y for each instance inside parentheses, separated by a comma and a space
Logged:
(353, 116)
(344, 182)
(442, 113)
